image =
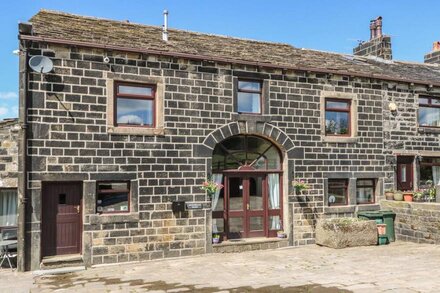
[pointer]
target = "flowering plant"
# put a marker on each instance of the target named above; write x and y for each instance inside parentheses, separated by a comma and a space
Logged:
(300, 185)
(211, 186)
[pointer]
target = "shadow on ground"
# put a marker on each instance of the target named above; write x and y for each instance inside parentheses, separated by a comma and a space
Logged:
(67, 281)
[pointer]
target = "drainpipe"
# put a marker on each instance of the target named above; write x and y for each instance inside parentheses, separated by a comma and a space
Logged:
(22, 143)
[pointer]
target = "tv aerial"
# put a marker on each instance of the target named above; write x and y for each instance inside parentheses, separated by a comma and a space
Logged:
(41, 64)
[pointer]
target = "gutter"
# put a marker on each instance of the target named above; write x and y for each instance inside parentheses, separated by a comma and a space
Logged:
(220, 59)
(22, 144)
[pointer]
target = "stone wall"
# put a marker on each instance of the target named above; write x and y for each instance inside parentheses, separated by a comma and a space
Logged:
(415, 222)
(8, 153)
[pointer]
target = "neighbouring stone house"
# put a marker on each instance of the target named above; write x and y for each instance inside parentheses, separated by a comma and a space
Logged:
(124, 130)
(9, 130)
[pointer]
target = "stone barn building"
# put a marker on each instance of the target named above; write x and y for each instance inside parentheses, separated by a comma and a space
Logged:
(119, 136)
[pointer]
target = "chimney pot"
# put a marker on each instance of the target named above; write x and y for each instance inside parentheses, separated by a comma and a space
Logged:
(436, 46)
(165, 26)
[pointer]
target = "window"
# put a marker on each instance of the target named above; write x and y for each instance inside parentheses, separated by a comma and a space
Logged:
(8, 207)
(134, 105)
(337, 192)
(113, 197)
(365, 191)
(429, 111)
(337, 117)
(429, 172)
(249, 97)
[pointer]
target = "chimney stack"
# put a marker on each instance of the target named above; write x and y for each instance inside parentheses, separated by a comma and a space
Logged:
(434, 56)
(165, 26)
(378, 45)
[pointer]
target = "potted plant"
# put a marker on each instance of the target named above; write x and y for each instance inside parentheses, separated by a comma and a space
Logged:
(398, 196)
(211, 187)
(300, 185)
(281, 234)
(389, 194)
(418, 195)
(408, 195)
(216, 239)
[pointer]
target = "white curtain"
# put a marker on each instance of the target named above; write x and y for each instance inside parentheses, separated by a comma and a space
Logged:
(436, 175)
(8, 207)
(274, 199)
(217, 178)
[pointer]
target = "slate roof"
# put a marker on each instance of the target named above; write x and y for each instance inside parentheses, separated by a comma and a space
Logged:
(63, 26)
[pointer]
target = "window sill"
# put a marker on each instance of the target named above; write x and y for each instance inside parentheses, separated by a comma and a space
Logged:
(339, 209)
(135, 131)
(424, 129)
(340, 139)
(114, 218)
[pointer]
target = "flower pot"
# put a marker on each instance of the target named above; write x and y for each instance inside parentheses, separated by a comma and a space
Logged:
(381, 229)
(215, 240)
(281, 235)
(408, 196)
(398, 196)
(389, 195)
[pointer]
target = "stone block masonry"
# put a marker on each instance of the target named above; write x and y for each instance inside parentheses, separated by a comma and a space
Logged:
(8, 153)
(415, 222)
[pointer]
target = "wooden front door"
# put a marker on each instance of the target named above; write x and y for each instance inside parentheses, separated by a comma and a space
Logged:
(61, 218)
(246, 201)
(405, 173)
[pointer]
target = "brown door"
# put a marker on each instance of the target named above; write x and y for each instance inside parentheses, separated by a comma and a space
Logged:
(405, 173)
(61, 218)
(246, 201)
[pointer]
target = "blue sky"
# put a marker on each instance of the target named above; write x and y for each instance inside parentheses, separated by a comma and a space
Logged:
(323, 25)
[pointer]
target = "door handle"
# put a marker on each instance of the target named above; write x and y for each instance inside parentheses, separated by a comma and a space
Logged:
(77, 208)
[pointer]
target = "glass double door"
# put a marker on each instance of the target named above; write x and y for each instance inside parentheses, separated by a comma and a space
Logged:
(246, 203)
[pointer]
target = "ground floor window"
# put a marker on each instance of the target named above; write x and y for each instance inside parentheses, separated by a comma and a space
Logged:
(429, 172)
(8, 207)
(113, 197)
(337, 192)
(365, 191)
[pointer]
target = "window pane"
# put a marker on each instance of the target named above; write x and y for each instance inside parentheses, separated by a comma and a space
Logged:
(426, 176)
(249, 85)
(235, 225)
(435, 101)
(336, 123)
(8, 207)
(248, 103)
(218, 226)
(274, 223)
(256, 223)
(429, 116)
(365, 191)
(337, 192)
(235, 194)
(135, 90)
(402, 173)
(255, 193)
(337, 105)
(423, 100)
(134, 112)
(112, 197)
(112, 202)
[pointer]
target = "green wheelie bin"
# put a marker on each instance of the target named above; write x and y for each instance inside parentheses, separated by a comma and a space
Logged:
(382, 217)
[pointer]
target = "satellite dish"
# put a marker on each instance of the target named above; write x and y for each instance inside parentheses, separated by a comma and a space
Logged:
(41, 64)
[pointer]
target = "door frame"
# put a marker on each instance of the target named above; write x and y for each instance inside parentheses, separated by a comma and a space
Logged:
(246, 214)
(44, 185)
(409, 162)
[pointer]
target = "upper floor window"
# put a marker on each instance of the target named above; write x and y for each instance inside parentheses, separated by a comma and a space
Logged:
(337, 117)
(134, 105)
(249, 96)
(429, 111)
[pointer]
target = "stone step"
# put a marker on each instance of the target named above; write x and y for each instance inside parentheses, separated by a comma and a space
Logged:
(248, 244)
(61, 261)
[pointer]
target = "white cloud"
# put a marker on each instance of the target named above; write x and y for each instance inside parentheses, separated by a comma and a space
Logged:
(8, 95)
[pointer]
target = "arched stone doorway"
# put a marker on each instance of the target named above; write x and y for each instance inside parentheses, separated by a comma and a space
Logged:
(251, 202)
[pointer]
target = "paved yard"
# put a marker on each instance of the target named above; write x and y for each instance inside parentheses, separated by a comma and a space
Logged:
(399, 267)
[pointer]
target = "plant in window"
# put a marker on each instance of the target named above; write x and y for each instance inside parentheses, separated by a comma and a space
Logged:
(418, 195)
(300, 185)
(211, 187)
(216, 238)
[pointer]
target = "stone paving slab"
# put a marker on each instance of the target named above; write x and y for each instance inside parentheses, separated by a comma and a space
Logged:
(399, 267)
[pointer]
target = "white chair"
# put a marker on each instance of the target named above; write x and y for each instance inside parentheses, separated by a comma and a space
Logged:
(8, 251)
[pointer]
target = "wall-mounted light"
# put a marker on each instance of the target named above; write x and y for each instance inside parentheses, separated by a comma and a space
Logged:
(393, 108)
